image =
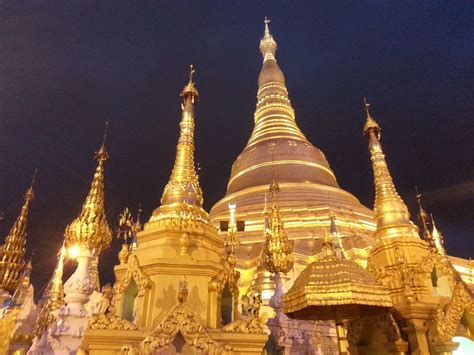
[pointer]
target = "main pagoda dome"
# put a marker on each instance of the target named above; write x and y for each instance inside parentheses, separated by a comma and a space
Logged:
(310, 194)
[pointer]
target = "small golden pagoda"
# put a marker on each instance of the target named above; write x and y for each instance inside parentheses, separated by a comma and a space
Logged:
(177, 291)
(430, 311)
(333, 288)
(12, 252)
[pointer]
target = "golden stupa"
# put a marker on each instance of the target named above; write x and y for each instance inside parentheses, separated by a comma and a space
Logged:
(310, 193)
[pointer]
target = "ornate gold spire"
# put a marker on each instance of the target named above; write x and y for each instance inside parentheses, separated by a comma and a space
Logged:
(437, 238)
(12, 253)
(391, 213)
(277, 249)
(182, 196)
(90, 230)
(424, 221)
(56, 295)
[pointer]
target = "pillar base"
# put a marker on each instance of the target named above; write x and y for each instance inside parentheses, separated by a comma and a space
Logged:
(445, 348)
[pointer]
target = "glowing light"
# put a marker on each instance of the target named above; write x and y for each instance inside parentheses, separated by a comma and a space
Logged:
(73, 251)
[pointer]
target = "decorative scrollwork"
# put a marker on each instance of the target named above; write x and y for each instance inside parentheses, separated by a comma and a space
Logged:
(448, 317)
(133, 272)
(182, 320)
(251, 325)
(110, 322)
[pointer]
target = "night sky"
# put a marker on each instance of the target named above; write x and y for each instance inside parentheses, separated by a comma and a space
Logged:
(67, 67)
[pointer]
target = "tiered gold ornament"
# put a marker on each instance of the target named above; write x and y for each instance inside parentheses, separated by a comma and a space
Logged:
(12, 252)
(391, 213)
(90, 230)
(182, 198)
(127, 230)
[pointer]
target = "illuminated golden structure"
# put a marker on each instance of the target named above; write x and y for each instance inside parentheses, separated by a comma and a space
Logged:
(12, 252)
(90, 231)
(177, 291)
(309, 194)
(188, 282)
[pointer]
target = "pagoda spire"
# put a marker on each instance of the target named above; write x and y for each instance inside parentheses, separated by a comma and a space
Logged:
(424, 220)
(183, 185)
(12, 253)
(182, 196)
(274, 115)
(391, 213)
(90, 230)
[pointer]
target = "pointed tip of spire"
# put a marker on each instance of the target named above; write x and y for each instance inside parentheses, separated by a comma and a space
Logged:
(267, 33)
(190, 88)
(102, 154)
(370, 123)
(29, 195)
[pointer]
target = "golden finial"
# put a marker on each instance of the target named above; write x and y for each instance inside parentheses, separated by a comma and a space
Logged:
(101, 154)
(191, 73)
(277, 253)
(391, 213)
(128, 229)
(90, 230)
(370, 123)
(12, 253)
(268, 45)
(190, 89)
(266, 21)
(423, 218)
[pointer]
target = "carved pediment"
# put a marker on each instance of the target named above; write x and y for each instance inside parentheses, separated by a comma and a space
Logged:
(182, 320)
(135, 273)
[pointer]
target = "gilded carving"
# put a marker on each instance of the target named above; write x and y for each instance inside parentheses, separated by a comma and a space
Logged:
(110, 322)
(133, 272)
(448, 317)
(252, 325)
(181, 320)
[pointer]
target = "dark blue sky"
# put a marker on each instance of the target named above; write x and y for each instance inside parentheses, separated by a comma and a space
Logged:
(66, 67)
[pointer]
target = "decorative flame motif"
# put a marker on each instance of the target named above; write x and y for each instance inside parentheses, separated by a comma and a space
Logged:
(90, 230)
(12, 253)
